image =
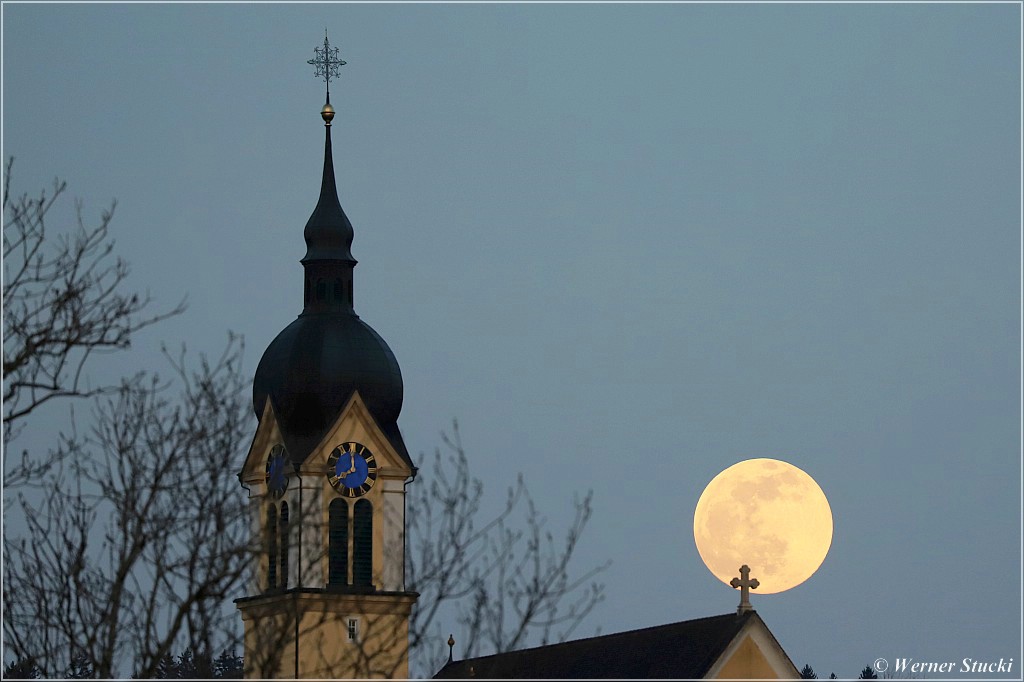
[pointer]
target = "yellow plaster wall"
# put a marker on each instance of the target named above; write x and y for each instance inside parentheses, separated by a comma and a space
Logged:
(355, 424)
(380, 652)
(325, 651)
(747, 662)
(387, 497)
(270, 621)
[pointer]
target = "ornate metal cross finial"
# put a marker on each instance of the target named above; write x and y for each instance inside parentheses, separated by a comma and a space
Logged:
(327, 63)
(745, 583)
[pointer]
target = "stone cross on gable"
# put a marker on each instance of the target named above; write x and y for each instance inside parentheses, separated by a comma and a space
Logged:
(745, 583)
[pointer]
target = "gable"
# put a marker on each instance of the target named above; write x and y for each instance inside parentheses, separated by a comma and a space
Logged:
(355, 423)
(745, 661)
(753, 654)
(268, 433)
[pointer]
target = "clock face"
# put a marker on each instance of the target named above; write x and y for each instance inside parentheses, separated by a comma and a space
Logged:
(277, 481)
(351, 469)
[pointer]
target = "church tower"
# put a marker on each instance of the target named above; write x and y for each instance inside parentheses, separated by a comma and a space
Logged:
(326, 474)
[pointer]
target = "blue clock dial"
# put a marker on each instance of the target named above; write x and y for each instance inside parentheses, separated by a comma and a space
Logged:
(277, 480)
(352, 469)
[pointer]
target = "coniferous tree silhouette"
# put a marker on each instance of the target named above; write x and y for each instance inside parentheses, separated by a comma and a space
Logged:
(80, 668)
(22, 669)
(228, 665)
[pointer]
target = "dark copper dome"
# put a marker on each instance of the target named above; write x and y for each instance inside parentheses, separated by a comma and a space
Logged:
(312, 368)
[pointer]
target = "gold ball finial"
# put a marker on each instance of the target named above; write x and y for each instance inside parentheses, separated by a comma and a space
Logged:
(451, 641)
(327, 113)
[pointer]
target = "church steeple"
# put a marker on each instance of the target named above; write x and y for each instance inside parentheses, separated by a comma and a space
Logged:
(326, 474)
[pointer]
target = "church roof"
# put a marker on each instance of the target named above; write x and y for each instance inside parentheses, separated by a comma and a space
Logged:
(685, 650)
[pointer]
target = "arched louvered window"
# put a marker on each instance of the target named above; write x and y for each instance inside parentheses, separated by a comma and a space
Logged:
(271, 547)
(306, 299)
(321, 290)
(283, 528)
(350, 287)
(337, 289)
(362, 544)
(337, 550)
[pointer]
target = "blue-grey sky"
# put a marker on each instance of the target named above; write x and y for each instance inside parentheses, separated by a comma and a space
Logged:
(627, 246)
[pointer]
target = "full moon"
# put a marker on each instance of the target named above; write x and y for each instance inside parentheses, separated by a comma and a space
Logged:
(767, 514)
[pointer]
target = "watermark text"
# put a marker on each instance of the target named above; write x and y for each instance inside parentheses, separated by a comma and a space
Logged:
(964, 665)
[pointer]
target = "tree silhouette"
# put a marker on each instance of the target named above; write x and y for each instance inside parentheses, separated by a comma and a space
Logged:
(137, 540)
(131, 536)
(64, 300)
(227, 665)
(21, 669)
(868, 673)
(508, 579)
(807, 672)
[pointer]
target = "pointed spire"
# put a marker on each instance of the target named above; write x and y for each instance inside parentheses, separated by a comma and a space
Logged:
(328, 231)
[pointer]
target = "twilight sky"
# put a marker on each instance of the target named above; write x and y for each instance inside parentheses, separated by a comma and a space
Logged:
(627, 246)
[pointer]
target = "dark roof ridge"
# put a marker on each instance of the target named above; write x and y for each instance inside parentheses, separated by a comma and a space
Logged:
(650, 628)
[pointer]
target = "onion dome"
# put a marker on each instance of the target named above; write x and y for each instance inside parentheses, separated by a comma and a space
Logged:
(310, 371)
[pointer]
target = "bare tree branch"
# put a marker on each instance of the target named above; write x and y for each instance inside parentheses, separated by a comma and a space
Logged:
(63, 300)
(509, 581)
(142, 540)
(132, 535)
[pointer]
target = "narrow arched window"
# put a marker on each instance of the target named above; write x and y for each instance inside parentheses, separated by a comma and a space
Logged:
(306, 299)
(271, 547)
(283, 528)
(350, 287)
(337, 290)
(337, 543)
(362, 544)
(321, 290)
